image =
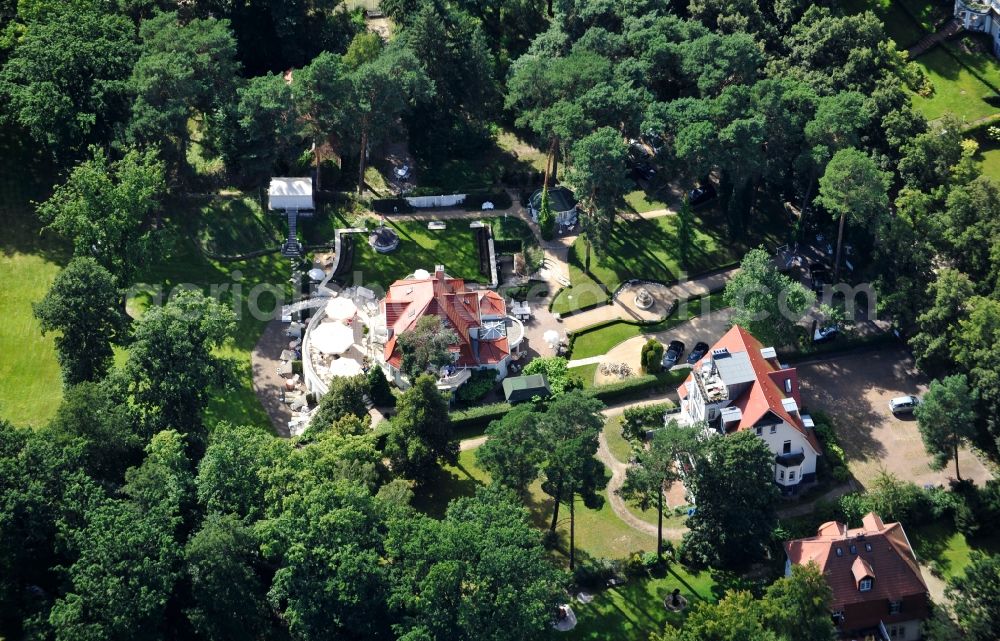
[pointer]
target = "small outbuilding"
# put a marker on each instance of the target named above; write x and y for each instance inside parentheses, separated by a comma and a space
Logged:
(524, 388)
(562, 202)
(285, 194)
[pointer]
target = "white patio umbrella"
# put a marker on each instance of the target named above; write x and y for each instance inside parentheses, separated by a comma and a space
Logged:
(332, 338)
(551, 338)
(345, 367)
(341, 308)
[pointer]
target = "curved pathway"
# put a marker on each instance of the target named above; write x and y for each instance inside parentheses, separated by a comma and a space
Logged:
(618, 468)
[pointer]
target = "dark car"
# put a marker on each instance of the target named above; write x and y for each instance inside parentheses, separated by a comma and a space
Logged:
(819, 276)
(674, 351)
(642, 171)
(701, 195)
(700, 349)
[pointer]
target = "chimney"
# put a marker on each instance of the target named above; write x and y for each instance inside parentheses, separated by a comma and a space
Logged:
(439, 271)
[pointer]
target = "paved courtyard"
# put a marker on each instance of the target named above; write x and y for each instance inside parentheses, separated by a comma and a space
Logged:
(855, 390)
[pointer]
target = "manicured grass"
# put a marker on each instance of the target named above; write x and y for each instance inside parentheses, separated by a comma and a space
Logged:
(30, 382)
(635, 610)
(237, 225)
(958, 90)
(651, 250)
(989, 154)
(419, 248)
(600, 341)
(599, 532)
(640, 201)
(940, 546)
(585, 374)
(621, 447)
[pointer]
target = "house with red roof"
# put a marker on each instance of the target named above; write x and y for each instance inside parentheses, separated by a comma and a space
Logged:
(878, 591)
(740, 385)
(487, 336)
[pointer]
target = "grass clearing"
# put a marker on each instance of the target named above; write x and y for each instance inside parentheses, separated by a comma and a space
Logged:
(621, 447)
(30, 380)
(599, 341)
(235, 225)
(419, 248)
(635, 610)
(585, 374)
(641, 201)
(599, 532)
(958, 90)
(941, 546)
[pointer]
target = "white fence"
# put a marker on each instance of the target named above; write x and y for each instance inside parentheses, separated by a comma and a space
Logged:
(436, 201)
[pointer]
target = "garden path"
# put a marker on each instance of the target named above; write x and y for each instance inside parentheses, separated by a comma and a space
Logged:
(623, 307)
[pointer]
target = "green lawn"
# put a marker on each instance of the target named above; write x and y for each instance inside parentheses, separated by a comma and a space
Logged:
(419, 248)
(237, 225)
(641, 201)
(646, 249)
(940, 546)
(967, 94)
(30, 384)
(989, 154)
(599, 341)
(635, 610)
(585, 374)
(621, 447)
(599, 532)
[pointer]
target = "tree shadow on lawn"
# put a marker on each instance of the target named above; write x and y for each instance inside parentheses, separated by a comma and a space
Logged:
(444, 486)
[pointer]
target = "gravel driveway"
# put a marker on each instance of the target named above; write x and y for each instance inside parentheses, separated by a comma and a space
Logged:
(855, 390)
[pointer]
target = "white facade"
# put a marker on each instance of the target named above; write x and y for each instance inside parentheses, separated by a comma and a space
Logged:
(741, 386)
(983, 17)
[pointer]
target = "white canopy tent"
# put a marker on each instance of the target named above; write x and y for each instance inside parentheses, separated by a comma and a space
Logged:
(341, 308)
(332, 338)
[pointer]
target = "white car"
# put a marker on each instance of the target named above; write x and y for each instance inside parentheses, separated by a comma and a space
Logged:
(402, 172)
(903, 404)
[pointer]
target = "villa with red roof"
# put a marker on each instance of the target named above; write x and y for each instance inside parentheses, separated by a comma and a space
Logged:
(487, 336)
(878, 591)
(740, 385)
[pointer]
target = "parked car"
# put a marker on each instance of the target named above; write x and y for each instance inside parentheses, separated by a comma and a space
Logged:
(904, 404)
(818, 276)
(701, 195)
(403, 172)
(700, 349)
(824, 334)
(673, 354)
(642, 171)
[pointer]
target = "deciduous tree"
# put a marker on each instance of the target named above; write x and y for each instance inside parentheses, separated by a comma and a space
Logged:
(766, 302)
(514, 449)
(946, 418)
(83, 305)
(420, 433)
(975, 597)
(426, 347)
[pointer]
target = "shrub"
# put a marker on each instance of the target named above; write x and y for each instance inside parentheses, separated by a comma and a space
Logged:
(474, 200)
(479, 416)
(629, 387)
(636, 420)
(651, 356)
(594, 574)
(478, 386)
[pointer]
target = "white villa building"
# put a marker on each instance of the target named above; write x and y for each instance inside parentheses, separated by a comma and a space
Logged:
(740, 385)
(981, 17)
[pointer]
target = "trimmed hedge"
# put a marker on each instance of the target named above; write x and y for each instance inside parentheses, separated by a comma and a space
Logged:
(474, 201)
(391, 206)
(479, 416)
(626, 388)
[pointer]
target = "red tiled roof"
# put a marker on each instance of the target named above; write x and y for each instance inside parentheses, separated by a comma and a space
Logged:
(767, 391)
(889, 562)
(408, 300)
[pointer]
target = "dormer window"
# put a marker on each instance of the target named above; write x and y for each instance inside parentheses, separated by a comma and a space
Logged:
(854, 549)
(865, 585)
(895, 607)
(840, 551)
(868, 547)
